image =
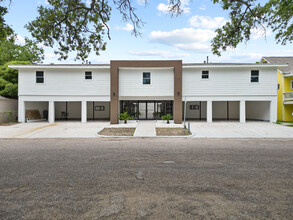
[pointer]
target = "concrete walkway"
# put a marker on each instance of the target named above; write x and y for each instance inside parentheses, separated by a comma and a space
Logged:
(145, 129)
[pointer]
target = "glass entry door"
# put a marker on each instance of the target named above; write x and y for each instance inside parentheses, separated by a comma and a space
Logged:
(147, 110)
(150, 110)
(142, 110)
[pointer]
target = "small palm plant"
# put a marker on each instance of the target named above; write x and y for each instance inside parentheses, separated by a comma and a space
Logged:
(125, 116)
(167, 118)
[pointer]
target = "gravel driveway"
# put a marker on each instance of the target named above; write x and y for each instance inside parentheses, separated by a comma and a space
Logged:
(146, 178)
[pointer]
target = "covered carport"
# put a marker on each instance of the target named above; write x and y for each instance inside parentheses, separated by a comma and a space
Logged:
(98, 111)
(68, 111)
(195, 110)
(36, 111)
(258, 110)
(226, 110)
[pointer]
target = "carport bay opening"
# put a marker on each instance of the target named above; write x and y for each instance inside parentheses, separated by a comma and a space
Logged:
(227, 110)
(71, 110)
(195, 110)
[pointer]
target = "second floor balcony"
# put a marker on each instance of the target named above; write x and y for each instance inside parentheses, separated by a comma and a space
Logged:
(288, 96)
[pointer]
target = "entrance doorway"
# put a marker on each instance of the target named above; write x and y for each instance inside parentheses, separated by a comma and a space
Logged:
(147, 110)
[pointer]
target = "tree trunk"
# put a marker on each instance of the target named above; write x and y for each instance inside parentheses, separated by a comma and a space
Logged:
(125, 121)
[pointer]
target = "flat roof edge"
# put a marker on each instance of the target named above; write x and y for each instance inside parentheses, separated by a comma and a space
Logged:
(107, 66)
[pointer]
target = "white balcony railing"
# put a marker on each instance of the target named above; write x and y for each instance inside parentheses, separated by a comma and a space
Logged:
(288, 96)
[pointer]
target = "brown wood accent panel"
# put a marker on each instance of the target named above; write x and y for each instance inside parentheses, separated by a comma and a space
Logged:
(114, 71)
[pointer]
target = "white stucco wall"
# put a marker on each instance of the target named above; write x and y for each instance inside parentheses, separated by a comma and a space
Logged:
(229, 81)
(64, 82)
(130, 82)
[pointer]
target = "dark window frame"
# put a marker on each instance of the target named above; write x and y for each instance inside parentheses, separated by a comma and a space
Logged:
(254, 76)
(146, 80)
(205, 74)
(88, 75)
(40, 77)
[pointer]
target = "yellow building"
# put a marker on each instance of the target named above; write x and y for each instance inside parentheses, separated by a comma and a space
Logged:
(285, 86)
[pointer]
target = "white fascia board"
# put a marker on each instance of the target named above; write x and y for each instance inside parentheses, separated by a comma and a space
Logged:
(288, 75)
(57, 67)
(233, 66)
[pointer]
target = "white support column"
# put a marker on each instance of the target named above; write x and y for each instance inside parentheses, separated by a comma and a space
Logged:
(273, 110)
(51, 112)
(83, 112)
(21, 110)
(242, 113)
(209, 111)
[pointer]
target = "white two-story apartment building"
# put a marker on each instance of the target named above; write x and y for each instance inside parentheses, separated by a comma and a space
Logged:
(149, 89)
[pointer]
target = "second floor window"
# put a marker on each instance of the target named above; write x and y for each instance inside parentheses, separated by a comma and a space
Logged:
(40, 77)
(146, 78)
(205, 74)
(88, 75)
(254, 76)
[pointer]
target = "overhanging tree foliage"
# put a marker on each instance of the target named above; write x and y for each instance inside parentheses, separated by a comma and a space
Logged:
(9, 79)
(246, 15)
(5, 30)
(11, 51)
(74, 25)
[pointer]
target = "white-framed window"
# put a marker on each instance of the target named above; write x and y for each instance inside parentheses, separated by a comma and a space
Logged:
(205, 74)
(40, 77)
(291, 84)
(88, 75)
(254, 77)
(146, 78)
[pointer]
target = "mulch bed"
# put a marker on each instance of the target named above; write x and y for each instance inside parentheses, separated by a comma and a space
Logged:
(172, 132)
(8, 124)
(117, 132)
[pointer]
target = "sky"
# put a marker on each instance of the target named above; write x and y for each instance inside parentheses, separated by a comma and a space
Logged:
(185, 37)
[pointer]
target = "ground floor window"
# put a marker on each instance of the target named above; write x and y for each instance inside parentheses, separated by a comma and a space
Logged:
(147, 110)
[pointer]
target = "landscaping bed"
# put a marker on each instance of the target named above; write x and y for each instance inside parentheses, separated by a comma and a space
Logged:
(8, 124)
(172, 132)
(117, 132)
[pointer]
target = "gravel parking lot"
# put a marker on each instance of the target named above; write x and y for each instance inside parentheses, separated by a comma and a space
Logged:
(146, 178)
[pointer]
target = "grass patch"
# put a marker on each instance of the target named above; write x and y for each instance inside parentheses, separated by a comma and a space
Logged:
(281, 122)
(285, 123)
(172, 132)
(117, 132)
(8, 124)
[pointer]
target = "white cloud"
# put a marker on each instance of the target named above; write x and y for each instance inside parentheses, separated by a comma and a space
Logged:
(163, 7)
(257, 33)
(246, 57)
(20, 40)
(46, 2)
(159, 53)
(185, 38)
(207, 22)
(202, 7)
(127, 27)
(141, 2)
(166, 8)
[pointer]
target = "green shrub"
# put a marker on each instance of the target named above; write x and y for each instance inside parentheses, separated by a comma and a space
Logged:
(167, 118)
(125, 116)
